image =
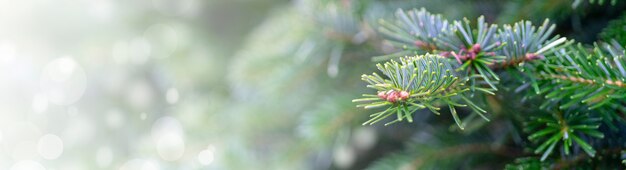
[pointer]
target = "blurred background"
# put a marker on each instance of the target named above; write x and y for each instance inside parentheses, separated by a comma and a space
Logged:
(216, 84)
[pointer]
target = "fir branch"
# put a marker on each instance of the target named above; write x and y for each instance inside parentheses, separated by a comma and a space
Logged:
(549, 130)
(577, 77)
(473, 48)
(479, 50)
(414, 83)
(414, 30)
(525, 42)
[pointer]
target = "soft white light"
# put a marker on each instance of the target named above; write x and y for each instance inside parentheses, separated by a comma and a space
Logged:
(78, 130)
(102, 9)
(135, 164)
(177, 7)
(143, 116)
(150, 165)
(21, 131)
(104, 157)
(120, 52)
(139, 50)
(364, 138)
(50, 146)
(163, 39)
(63, 81)
(167, 134)
(27, 165)
(40, 103)
(20, 140)
(170, 147)
(344, 157)
(72, 111)
(140, 95)
(114, 118)
(24, 150)
(172, 95)
(7, 52)
(166, 126)
(140, 164)
(206, 157)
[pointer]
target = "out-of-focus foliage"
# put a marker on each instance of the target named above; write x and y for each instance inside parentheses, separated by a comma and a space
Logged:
(615, 30)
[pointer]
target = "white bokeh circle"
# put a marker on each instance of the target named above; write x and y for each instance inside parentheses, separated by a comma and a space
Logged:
(27, 165)
(168, 136)
(172, 95)
(206, 157)
(170, 147)
(50, 146)
(63, 81)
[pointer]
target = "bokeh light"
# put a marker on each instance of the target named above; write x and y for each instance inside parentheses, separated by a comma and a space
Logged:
(50, 146)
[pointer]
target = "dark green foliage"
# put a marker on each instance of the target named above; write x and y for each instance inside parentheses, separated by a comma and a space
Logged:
(576, 3)
(562, 130)
(526, 163)
(394, 161)
(615, 30)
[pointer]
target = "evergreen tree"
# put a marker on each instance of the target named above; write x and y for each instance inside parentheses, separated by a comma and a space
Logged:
(482, 85)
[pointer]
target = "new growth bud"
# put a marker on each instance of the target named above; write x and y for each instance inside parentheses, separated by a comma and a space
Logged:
(533, 56)
(393, 96)
(475, 48)
(404, 95)
(382, 95)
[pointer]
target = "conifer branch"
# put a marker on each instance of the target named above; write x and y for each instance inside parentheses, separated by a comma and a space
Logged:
(414, 83)
(576, 76)
(564, 129)
(479, 50)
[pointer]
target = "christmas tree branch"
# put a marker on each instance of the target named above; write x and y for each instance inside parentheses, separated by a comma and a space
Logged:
(418, 82)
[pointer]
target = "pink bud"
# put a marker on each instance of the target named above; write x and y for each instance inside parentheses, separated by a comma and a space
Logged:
(533, 56)
(476, 48)
(382, 95)
(404, 95)
(392, 97)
